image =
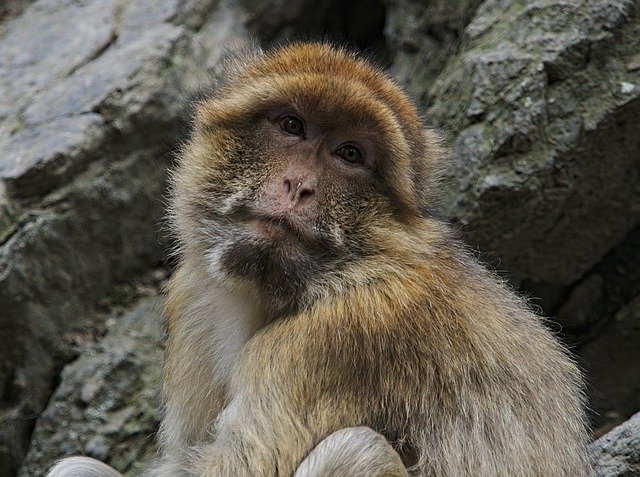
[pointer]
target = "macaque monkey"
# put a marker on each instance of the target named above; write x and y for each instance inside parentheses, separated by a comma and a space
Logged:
(323, 321)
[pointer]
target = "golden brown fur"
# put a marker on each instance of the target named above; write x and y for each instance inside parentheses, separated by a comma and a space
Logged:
(411, 337)
(369, 314)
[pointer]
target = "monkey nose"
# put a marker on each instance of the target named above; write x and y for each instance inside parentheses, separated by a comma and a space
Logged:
(298, 191)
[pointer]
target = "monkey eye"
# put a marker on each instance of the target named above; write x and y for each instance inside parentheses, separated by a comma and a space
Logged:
(351, 154)
(292, 125)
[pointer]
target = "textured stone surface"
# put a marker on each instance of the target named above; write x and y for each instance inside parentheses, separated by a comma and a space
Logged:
(86, 65)
(612, 358)
(543, 131)
(91, 100)
(40, 157)
(423, 35)
(617, 454)
(106, 405)
(600, 310)
(45, 44)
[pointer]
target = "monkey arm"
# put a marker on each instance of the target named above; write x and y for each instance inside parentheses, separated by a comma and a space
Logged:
(284, 404)
(253, 442)
(261, 432)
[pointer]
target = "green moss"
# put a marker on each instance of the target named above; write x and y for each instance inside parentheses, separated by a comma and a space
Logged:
(7, 225)
(19, 125)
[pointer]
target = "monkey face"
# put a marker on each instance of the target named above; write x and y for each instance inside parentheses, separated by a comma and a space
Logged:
(293, 173)
(297, 205)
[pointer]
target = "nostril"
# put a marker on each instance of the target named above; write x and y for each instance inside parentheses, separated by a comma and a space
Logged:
(305, 193)
(297, 190)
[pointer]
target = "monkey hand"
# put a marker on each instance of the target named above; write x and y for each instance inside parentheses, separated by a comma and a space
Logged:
(349, 452)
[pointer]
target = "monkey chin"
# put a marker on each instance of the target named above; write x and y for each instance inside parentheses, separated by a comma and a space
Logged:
(281, 261)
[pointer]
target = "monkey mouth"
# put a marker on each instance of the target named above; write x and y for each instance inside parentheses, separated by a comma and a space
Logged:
(277, 227)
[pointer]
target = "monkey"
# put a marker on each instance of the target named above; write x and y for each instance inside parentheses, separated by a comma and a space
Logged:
(323, 319)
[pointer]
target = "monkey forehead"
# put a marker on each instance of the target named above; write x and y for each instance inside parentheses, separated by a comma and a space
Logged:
(327, 61)
(331, 102)
(331, 82)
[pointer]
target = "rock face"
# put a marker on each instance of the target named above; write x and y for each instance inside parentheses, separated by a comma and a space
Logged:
(617, 392)
(539, 102)
(423, 35)
(91, 98)
(106, 405)
(541, 106)
(618, 452)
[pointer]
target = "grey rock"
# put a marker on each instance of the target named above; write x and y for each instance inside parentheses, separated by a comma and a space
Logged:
(617, 453)
(542, 135)
(63, 257)
(423, 35)
(594, 306)
(612, 359)
(39, 158)
(46, 43)
(92, 98)
(107, 77)
(106, 405)
(133, 62)
(579, 307)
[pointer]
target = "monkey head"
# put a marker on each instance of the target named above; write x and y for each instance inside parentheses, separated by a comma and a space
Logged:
(299, 162)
